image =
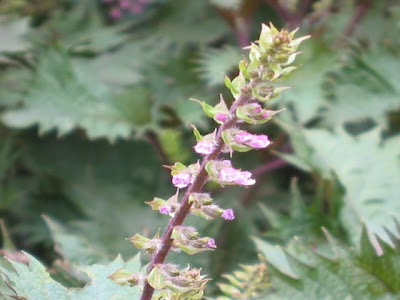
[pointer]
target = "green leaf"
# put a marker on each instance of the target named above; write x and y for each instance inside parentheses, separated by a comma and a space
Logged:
(74, 247)
(216, 63)
(105, 186)
(63, 99)
(81, 29)
(306, 93)
(299, 272)
(177, 24)
(305, 157)
(34, 282)
(369, 169)
(13, 33)
(366, 88)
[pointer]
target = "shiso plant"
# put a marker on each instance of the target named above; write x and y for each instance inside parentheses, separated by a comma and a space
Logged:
(270, 61)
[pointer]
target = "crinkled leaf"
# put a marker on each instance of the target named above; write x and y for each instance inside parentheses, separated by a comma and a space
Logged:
(74, 247)
(216, 63)
(369, 169)
(34, 282)
(63, 99)
(365, 88)
(299, 272)
(306, 93)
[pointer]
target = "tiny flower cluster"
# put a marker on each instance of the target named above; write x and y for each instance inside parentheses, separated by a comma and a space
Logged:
(134, 7)
(186, 239)
(188, 283)
(202, 206)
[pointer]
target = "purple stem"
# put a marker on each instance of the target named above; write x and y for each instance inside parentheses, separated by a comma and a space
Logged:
(268, 167)
(196, 187)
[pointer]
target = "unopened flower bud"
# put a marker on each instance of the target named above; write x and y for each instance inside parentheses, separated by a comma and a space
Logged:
(221, 117)
(213, 211)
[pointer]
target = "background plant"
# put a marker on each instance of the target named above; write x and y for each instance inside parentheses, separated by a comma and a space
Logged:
(337, 142)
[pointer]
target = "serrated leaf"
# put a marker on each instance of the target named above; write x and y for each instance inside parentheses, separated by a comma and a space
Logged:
(366, 88)
(97, 181)
(216, 63)
(62, 99)
(306, 93)
(34, 282)
(81, 29)
(72, 246)
(180, 27)
(369, 170)
(350, 275)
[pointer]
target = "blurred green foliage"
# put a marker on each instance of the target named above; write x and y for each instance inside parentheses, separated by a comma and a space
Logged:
(92, 107)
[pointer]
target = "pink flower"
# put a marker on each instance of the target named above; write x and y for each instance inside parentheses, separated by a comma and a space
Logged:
(211, 243)
(259, 141)
(245, 179)
(204, 147)
(266, 114)
(181, 180)
(243, 137)
(221, 117)
(228, 214)
(165, 210)
(115, 13)
(252, 140)
(231, 175)
(256, 108)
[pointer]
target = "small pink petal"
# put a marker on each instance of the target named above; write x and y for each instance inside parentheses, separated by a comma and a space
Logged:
(228, 214)
(204, 147)
(221, 117)
(243, 137)
(181, 180)
(256, 108)
(165, 210)
(211, 243)
(259, 141)
(266, 114)
(229, 174)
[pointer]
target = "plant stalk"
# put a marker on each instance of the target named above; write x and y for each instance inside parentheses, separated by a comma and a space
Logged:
(196, 187)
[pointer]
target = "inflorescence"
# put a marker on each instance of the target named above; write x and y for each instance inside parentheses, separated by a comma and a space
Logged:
(270, 60)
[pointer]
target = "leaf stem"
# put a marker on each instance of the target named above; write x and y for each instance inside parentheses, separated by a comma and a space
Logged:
(196, 187)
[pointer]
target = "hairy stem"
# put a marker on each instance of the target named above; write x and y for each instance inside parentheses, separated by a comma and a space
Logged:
(196, 187)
